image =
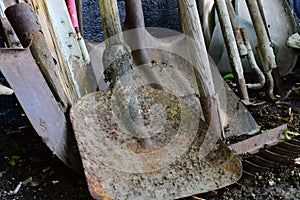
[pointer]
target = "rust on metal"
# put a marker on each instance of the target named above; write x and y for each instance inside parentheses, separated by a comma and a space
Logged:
(266, 150)
(21, 71)
(256, 143)
(211, 111)
(96, 189)
(28, 29)
(263, 162)
(249, 166)
(239, 119)
(116, 165)
(272, 156)
(23, 19)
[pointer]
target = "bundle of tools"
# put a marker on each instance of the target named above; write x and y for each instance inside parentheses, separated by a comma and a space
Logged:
(146, 118)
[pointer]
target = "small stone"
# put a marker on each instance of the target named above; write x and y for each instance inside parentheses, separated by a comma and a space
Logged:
(271, 183)
(55, 182)
(278, 179)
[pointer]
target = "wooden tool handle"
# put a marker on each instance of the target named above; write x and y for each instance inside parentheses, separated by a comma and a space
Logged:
(111, 21)
(191, 26)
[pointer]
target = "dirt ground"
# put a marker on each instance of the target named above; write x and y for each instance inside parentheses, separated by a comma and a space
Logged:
(275, 183)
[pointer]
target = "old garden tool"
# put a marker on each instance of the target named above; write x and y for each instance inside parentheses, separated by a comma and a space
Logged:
(59, 33)
(245, 49)
(43, 111)
(138, 142)
(232, 48)
(263, 14)
(264, 49)
(267, 150)
(151, 53)
(237, 46)
(75, 21)
(24, 22)
(285, 57)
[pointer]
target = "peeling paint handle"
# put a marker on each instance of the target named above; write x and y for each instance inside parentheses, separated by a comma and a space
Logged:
(74, 18)
(73, 13)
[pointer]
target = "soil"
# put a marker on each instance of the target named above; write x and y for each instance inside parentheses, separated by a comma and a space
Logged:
(275, 183)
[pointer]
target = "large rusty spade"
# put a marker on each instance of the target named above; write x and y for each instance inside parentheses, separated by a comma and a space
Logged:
(140, 142)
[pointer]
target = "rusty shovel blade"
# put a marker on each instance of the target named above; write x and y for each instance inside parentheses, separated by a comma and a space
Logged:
(184, 157)
(38, 102)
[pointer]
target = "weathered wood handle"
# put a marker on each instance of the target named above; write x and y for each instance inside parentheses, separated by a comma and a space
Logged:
(191, 26)
(111, 21)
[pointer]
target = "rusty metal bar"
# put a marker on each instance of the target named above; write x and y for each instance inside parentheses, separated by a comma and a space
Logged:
(252, 63)
(254, 144)
(272, 156)
(289, 146)
(9, 34)
(284, 152)
(249, 167)
(262, 161)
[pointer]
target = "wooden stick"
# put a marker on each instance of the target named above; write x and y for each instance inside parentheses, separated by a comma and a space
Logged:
(252, 63)
(236, 29)
(232, 49)
(264, 49)
(74, 18)
(205, 7)
(265, 45)
(191, 26)
(111, 21)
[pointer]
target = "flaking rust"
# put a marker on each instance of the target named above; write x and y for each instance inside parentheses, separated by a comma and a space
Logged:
(176, 165)
(266, 150)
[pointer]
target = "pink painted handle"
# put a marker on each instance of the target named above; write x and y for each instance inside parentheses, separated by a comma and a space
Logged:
(73, 13)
